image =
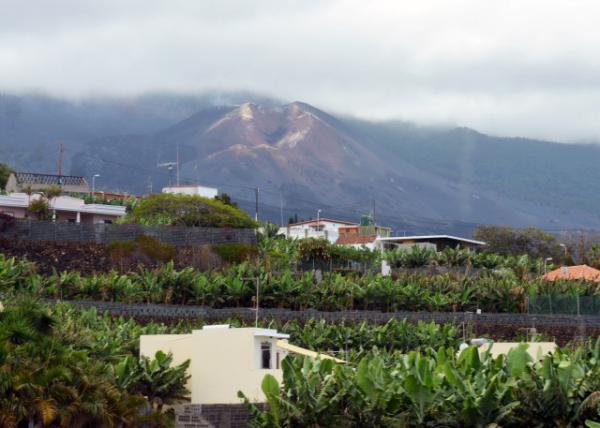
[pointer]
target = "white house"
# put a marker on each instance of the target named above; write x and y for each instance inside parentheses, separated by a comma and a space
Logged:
(67, 208)
(226, 360)
(436, 242)
(19, 181)
(322, 228)
(192, 189)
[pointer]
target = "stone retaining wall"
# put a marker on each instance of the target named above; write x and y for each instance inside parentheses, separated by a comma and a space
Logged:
(168, 312)
(106, 233)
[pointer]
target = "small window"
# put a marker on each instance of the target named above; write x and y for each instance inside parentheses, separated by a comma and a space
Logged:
(107, 221)
(71, 220)
(265, 355)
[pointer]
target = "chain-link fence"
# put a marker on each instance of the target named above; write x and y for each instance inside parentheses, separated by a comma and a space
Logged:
(568, 304)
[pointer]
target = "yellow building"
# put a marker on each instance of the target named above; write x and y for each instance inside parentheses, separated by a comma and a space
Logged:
(226, 360)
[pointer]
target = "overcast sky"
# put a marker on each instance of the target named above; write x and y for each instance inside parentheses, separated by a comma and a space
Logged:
(529, 68)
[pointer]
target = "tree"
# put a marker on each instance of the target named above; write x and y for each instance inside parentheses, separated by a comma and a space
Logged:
(5, 171)
(506, 240)
(51, 193)
(40, 209)
(186, 210)
(270, 230)
(226, 199)
(28, 190)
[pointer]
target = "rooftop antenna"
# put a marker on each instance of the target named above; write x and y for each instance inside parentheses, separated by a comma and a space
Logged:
(61, 155)
(169, 166)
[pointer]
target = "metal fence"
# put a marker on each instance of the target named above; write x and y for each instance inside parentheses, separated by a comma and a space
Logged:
(564, 304)
(106, 233)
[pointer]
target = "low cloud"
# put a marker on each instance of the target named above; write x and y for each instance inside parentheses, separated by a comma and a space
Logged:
(527, 68)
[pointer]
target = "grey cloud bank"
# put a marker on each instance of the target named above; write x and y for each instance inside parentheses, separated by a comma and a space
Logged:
(525, 68)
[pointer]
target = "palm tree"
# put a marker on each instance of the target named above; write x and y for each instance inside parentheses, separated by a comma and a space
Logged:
(51, 193)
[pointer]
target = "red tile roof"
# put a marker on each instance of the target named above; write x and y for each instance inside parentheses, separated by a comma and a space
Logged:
(355, 239)
(581, 273)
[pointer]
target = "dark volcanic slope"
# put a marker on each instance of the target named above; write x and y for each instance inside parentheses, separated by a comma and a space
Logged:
(420, 178)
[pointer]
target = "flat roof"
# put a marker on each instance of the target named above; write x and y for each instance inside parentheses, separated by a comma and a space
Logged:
(430, 237)
(192, 186)
(324, 220)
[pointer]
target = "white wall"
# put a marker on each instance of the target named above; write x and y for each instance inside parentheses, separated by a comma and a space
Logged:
(223, 362)
(330, 230)
(206, 192)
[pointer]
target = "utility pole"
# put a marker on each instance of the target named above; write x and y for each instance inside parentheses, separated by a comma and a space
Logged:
(61, 154)
(257, 303)
(256, 298)
(256, 211)
(374, 222)
(281, 207)
(178, 164)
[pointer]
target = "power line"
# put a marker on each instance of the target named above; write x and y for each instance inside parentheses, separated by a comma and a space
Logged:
(356, 210)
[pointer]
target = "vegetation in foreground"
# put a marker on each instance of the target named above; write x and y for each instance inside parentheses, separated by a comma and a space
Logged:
(55, 373)
(437, 388)
(491, 291)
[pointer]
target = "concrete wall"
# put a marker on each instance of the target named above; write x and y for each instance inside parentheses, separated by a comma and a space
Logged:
(16, 212)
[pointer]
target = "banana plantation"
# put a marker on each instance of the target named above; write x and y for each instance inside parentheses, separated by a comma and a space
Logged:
(62, 366)
(491, 290)
(437, 388)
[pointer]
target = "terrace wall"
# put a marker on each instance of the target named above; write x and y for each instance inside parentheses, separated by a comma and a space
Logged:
(563, 328)
(100, 233)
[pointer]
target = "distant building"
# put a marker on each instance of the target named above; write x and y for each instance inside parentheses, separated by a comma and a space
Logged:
(193, 190)
(226, 360)
(20, 181)
(362, 236)
(573, 273)
(326, 228)
(112, 195)
(436, 242)
(67, 208)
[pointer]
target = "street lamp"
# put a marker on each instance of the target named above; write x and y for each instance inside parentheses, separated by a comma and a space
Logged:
(564, 248)
(546, 260)
(256, 303)
(94, 186)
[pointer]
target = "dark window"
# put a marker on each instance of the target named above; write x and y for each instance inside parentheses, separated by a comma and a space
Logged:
(71, 220)
(107, 221)
(265, 355)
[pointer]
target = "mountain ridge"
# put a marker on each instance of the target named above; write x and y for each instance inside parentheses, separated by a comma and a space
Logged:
(423, 179)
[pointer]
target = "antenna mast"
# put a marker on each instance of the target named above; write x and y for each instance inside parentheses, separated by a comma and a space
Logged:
(61, 155)
(169, 166)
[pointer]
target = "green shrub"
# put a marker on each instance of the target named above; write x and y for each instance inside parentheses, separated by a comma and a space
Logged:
(185, 210)
(235, 253)
(154, 249)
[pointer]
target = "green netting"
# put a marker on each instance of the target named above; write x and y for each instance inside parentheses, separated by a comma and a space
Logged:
(568, 304)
